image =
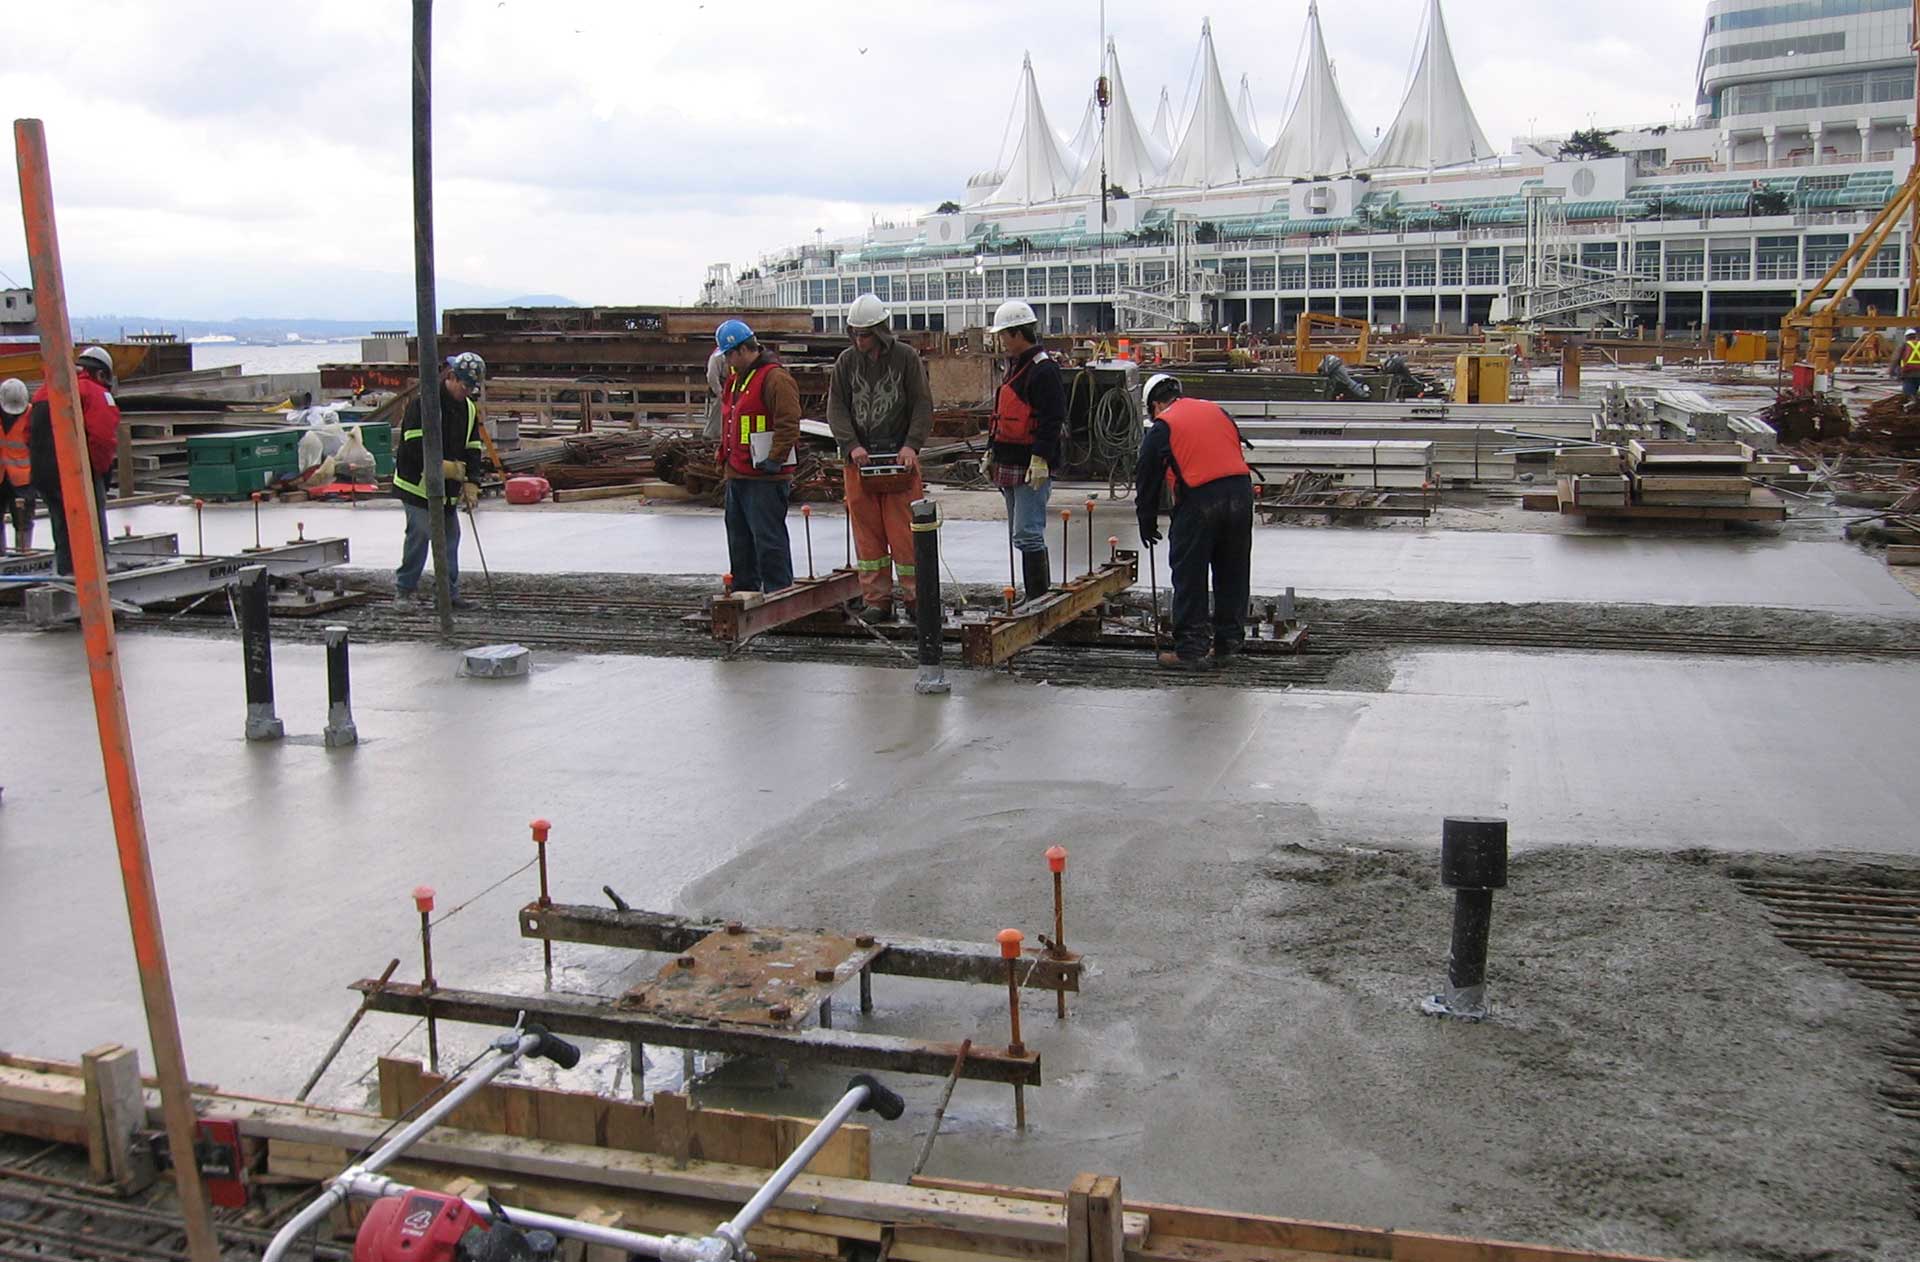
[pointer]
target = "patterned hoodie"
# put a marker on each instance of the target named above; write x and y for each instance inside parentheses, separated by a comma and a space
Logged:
(883, 404)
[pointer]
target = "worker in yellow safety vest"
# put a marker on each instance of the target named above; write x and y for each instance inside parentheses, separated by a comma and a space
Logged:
(463, 459)
(1906, 365)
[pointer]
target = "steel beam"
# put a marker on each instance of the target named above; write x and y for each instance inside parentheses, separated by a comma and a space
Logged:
(600, 1019)
(743, 615)
(993, 641)
(54, 604)
(118, 547)
(931, 959)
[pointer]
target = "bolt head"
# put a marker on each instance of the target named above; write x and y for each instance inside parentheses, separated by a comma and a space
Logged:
(863, 941)
(735, 927)
(824, 974)
(780, 1012)
(685, 961)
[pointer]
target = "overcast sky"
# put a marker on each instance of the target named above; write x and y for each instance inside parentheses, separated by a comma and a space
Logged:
(227, 159)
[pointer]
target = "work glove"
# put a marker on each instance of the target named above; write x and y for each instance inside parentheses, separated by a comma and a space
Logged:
(453, 470)
(1036, 471)
(1150, 535)
(469, 495)
(769, 465)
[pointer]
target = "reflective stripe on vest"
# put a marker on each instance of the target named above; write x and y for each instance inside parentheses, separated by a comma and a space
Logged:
(1206, 445)
(1910, 362)
(420, 488)
(16, 459)
(1012, 415)
(744, 414)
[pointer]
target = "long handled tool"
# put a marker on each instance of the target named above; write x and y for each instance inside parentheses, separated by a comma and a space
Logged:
(493, 601)
(1153, 579)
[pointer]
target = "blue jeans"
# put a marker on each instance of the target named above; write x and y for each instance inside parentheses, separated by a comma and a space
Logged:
(419, 544)
(757, 549)
(1027, 514)
(1910, 387)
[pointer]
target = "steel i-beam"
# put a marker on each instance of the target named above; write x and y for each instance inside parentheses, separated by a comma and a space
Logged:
(993, 641)
(741, 616)
(54, 604)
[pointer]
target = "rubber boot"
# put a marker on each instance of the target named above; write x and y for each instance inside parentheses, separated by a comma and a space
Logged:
(1036, 568)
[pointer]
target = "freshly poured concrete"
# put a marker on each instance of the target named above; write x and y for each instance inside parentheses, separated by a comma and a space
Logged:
(285, 869)
(1598, 566)
(796, 792)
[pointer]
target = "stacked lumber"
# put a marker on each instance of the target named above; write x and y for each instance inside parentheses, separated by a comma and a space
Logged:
(1692, 475)
(1386, 464)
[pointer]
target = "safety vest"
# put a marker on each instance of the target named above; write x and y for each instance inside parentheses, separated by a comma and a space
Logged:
(744, 414)
(1012, 415)
(16, 460)
(1910, 358)
(1206, 443)
(420, 488)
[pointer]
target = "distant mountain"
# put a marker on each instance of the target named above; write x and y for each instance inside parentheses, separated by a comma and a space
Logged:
(112, 328)
(536, 300)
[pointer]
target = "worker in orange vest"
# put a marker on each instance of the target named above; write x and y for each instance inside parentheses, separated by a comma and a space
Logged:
(16, 465)
(1192, 450)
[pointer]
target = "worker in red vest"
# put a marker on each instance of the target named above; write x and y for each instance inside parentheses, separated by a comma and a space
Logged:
(759, 433)
(16, 465)
(100, 418)
(1906, 365)
(1192, 453)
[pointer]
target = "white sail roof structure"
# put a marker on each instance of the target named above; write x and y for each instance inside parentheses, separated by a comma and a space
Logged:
(1319, 138)
(1435, 126)
(1130, 160)
(1213, 151)
(1249, 119)
(1161, 137)
(1037, 171)
(1087, 137)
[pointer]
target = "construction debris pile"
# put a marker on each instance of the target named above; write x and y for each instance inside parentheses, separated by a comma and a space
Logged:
(1892, 427)
(1808, 418)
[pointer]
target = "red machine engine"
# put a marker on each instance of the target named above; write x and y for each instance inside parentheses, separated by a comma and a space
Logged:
(417, 1227)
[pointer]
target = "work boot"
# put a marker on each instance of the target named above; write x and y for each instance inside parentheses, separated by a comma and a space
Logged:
(873, 615)
(404, 598)
(1035, 567)
(1170, 660)
(460, 602)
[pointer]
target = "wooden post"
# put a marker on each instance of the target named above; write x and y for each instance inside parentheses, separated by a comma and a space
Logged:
(126, 477)
(1106, 1234)
(116, 1111)
(673, 1127)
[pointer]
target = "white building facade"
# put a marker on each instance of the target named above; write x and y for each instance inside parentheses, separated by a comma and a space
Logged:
(1804, 127)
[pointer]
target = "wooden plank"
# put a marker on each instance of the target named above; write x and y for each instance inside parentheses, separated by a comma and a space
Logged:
(96, 1112)
(580, 494)
(1106, 1221)
(1903, 554)
(118, 1107)
(1000, 1217)
(1080, 1218)
(592, 1018)
(672, 1128)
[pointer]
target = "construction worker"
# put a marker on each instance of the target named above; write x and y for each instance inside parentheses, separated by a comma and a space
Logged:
(759, 434)
(463, 458)
(1906, 365)
(16, 465)
(881, 412)
(1029, 412)
(100, 417)
(716, 386)
(1193, 448)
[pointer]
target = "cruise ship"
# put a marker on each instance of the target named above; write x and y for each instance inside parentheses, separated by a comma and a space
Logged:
(1803, 125)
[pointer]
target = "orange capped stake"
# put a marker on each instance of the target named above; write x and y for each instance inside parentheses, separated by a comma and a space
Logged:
(423, 898)
(1113, 547)
(257, 497)
(423, 903)
(726, 584)
(1057, 864)
(1089, 536)
(300, 530)
(1009, 940)
(1007, 594)
(540, 829)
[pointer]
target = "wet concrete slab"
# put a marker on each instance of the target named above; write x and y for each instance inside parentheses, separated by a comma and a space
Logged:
(285, 869)
(1600, 566)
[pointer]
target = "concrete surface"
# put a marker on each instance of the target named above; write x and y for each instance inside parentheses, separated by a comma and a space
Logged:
(1728, 570)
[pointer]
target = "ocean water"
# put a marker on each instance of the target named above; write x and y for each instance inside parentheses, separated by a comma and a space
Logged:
(285, 357)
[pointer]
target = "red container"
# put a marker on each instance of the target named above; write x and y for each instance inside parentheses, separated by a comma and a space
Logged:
(528, 490)
(1803, 378)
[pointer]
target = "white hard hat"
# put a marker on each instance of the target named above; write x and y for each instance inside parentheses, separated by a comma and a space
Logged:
(13, 396)
(1011, 314)
(98, 356)
(1155, 382)
(866, 311)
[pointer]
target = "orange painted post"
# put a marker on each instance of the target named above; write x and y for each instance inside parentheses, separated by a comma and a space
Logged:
(1057, 863)
(540, 829)
(1009, 940)
(103, 675)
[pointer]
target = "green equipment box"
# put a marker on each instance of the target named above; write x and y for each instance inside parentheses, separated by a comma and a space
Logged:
(222, 466)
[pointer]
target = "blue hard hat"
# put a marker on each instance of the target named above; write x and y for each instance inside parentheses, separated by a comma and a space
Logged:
(731, 334)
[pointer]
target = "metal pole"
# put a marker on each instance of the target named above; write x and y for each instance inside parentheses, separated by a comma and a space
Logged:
(426, 308)
(340, 728)
(541, 828)
(806, 522)
(940, 1110)
(103, 675)
(1057, 863)
(256, 652)
(1009, 940)
(423, 903)
(928, 615)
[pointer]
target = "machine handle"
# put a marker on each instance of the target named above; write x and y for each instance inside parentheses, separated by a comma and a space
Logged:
(880, 1099)
(554, 1048)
